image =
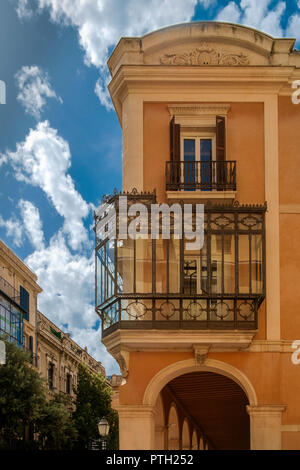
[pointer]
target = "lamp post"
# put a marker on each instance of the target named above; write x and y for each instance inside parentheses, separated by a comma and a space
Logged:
(103, 428)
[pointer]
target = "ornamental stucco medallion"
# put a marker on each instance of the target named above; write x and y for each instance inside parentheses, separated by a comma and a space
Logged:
(205, 55)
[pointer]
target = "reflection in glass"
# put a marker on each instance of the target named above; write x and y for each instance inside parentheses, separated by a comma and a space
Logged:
(143, 265)
(256, 267)
(244, 265)
(125, 265)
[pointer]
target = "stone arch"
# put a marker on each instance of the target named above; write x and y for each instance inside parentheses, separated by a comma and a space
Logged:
(194, 440)
(185, 435)
(173, 428)
(201, 443)
(160, 424)
(176, 369)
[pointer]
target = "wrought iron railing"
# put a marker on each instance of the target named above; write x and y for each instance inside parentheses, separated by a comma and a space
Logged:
(204, 176)
(9, 290)
(143, 312)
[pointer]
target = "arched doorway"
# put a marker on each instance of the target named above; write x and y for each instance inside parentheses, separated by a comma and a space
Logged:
(194, 440)
(185, 436)
(173, 429)
(213, 397)
(216, 405)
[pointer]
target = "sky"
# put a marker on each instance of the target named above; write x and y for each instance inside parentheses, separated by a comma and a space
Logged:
(60, 139)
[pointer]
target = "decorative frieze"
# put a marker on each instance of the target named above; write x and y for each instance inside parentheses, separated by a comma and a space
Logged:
(205, 55)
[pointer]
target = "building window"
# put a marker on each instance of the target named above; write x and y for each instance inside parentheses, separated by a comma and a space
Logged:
(11, 324)
(51, 375)
(68, 384)
(198, 154)
(24, 302)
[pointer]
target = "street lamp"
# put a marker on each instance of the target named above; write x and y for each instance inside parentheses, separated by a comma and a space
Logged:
(103, 428)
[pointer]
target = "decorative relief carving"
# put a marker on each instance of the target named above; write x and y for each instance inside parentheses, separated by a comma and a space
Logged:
(201, 353)
(205, 55)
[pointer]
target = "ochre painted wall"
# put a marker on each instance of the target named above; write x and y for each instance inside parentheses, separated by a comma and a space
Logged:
(289, 186)
(289, 151)
(245, 144)
(262, 369)
(289, 276)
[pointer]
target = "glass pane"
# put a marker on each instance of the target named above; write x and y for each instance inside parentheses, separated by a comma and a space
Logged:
(189, 150)
(167, 310)
(100, 275)
(125, 266)
(190, 276)
(216, 264)
(250, 222)
(110, 267)
(229, 264)
(203, 267)
(161, 266)
(222, 310)
(256, 265)
(205, 157)
(174, 265)
(244, 264)
(143, 265)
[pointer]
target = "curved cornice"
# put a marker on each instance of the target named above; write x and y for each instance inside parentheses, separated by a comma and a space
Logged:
(191, 43)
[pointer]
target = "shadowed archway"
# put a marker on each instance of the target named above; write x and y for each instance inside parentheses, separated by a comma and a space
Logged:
(218, 405)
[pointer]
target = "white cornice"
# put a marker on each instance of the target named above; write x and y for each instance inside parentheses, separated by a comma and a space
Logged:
(192, 110)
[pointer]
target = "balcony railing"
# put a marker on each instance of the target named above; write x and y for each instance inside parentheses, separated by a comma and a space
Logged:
(204, 176)
(131, 311)
(9, 290)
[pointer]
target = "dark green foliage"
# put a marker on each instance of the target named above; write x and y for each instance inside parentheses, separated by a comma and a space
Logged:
(30, 420)
(55, 426)
(22, 396)
(93, 401)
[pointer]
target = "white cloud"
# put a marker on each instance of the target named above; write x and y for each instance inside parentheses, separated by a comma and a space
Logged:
(101, 90)
(43, 160)
(231, 13)
(207, 3)
(34, 88)
(293, 28)
(67, 299)
(90, 337)
(101, 23)
(271, 23)
(23, 9)
(257, 15)
(32, 223)
(13, 229)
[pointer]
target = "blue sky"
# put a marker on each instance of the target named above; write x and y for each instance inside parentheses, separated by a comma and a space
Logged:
(60, 140)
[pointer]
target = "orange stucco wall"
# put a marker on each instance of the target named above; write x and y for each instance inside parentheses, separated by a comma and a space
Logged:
(245, 144)
(289, 151)
(262, 370)
(275, 378)
(289, 187)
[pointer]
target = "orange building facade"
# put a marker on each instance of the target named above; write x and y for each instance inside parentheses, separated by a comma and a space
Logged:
(204, 337)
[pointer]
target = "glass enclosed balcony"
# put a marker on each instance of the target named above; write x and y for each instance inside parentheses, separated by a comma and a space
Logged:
(149, 283)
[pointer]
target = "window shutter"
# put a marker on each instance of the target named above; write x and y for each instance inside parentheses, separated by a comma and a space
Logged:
(24, 301)
(221, 138)
(175, 151)
(220, 152)
(174, 141)
(31, 348)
